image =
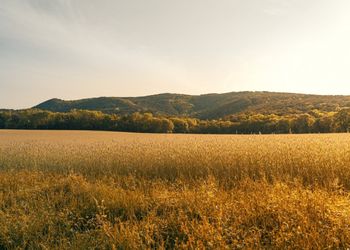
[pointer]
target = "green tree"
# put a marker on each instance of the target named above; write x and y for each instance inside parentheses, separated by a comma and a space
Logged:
(180, 125)
(341, 120)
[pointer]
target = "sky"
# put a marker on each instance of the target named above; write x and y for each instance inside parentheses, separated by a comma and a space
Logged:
(72, 49)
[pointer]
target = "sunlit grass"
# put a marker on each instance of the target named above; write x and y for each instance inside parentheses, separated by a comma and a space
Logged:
(78, 190)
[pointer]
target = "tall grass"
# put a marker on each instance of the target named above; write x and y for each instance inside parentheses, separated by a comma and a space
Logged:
(80, 190)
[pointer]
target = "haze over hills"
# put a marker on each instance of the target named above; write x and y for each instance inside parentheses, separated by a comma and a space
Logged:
(208, 106)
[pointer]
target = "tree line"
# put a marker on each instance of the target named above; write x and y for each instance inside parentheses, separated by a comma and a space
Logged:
(314, 121)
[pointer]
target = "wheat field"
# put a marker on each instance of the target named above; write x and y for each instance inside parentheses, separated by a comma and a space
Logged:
(105, 190)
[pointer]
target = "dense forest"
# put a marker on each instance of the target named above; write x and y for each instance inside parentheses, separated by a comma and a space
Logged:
(314, 121)
(228, 113)
(209, 106)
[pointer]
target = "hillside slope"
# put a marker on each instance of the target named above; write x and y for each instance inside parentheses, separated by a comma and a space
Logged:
(209, 106)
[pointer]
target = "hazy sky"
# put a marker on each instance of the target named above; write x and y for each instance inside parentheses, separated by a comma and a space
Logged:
(84, 48)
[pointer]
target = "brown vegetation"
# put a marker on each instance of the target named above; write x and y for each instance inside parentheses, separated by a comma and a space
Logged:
(79, 190)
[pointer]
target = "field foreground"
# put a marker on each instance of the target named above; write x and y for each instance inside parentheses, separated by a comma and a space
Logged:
(105, 190)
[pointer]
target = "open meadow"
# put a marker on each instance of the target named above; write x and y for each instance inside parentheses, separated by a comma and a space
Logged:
(109, 190)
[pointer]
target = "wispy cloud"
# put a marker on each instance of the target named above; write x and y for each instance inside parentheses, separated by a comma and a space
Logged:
(274, 11)
(140, 47)
(278, 7)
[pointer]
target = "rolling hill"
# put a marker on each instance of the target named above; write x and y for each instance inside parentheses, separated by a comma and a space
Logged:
(209, 106)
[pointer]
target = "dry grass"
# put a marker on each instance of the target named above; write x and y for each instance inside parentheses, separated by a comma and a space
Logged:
(80, 190)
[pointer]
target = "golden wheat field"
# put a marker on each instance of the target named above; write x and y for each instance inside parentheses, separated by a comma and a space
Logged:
(105, 190)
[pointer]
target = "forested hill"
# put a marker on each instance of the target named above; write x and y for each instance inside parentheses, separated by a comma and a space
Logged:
(209, 106)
